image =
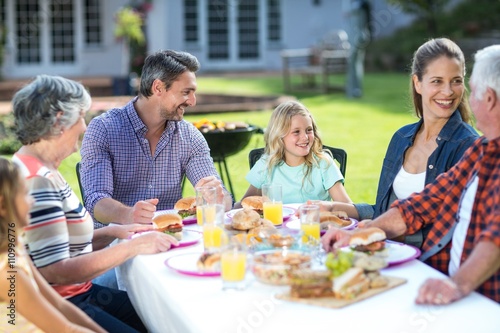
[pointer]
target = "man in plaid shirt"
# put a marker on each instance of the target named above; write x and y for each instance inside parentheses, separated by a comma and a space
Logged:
(463, 204)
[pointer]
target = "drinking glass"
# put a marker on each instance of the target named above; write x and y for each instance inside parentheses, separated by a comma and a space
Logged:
(272, 203)
(309, 224)
(234, 265)
(205, 195)
(213, 227)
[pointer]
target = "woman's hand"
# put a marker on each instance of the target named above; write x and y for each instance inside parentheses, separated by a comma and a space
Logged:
(153, 242)
(128, 230)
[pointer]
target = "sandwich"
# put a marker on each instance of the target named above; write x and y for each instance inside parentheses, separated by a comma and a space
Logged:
(309, 283)
(350, 284)
(170, 224)
(253, 202)
(335, 219)
(209, 262)
(186, 207)
(368, 240)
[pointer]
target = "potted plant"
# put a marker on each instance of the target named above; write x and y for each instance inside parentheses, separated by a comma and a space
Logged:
(128, 29)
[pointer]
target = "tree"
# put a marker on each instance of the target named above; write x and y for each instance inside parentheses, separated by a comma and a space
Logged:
(427, 10)
(129, 29)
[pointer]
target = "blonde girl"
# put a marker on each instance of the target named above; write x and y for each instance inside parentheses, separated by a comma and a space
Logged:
(294, 157)
(29, 304)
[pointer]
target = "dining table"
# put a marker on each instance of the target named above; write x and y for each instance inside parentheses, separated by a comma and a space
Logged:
(170, 301)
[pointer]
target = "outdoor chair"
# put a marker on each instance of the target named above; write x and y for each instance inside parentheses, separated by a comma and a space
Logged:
(339, 154)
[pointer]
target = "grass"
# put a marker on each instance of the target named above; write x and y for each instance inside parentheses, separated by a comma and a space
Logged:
(363, 127)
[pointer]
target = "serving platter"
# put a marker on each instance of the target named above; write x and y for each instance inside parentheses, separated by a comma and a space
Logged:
(337, 303)
(186, 264)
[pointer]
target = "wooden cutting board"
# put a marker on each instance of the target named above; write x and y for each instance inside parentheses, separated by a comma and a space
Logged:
(336, 303)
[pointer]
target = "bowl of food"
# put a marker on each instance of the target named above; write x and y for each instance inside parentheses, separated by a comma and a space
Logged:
(276, 266)
(280, 238)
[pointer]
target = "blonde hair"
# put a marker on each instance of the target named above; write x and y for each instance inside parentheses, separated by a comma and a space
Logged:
(9, 187)
(279, 126)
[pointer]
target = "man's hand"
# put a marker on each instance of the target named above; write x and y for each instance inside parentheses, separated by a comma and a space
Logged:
(438, 291)
(143, 211)
(222, 195)
(335, 238)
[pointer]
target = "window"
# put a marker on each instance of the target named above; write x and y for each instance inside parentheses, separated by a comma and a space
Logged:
(62, 31)
(273, 21)
(92, 22)
(191, 20)
(27, 30)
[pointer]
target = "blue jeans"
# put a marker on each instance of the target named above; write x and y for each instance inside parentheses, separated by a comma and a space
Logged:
(110, 308)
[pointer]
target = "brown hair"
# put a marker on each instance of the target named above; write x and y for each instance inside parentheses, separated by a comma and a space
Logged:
(427, 53)
(9, 217)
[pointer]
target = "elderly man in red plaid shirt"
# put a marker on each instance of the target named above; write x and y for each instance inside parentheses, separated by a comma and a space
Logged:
(462, 205)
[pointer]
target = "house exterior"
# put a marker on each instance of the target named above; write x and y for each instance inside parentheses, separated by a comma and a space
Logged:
(75, 38)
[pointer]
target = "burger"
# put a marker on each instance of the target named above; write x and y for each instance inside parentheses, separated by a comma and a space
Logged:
(186, 207)
(170, 224)
(245, 219)
(253, 202)
(368, 240)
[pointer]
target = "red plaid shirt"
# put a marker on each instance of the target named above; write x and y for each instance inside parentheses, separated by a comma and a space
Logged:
(438, 204)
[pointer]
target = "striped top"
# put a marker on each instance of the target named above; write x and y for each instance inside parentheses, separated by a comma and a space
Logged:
(60, 227)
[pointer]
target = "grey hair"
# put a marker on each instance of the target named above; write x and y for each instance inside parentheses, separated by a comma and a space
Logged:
(166, 66)
(486, 71)
(47, 105)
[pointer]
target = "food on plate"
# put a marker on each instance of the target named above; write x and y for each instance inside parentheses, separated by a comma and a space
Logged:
(276, 266)
(245, 219)
(209, 262)
(368, 263)
(369, 240)
(264, 228)
(308, 283)
(186, 207)
(335, 219)
(339, 262)
(253, 202)
(350, 284)
(170, 224)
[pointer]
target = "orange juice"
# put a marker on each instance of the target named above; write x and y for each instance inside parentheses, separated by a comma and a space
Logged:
(212, 235)
(233, 266)
(273, 211)
(209, 211)
(311, 230)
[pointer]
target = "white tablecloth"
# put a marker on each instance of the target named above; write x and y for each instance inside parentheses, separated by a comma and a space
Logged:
(171, 302)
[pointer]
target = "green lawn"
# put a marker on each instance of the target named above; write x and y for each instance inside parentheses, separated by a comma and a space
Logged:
(362, 127)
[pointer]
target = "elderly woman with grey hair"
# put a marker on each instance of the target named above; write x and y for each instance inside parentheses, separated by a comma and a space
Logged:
(49, 114)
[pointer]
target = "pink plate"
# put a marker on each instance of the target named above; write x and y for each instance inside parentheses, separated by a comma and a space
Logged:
(399, 253)
(295, 224)
(186, 264)
(288, 212)
(189, 237)
(188, 220)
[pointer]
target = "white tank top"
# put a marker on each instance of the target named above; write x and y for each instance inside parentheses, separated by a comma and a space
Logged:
(407, 183)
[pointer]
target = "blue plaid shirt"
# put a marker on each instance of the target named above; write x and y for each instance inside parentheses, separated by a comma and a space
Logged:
(117, 161)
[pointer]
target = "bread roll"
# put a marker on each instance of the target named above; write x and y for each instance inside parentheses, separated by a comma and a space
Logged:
(245, 219)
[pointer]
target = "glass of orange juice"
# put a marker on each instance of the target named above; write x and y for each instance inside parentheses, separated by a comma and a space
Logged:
(309, 224)
(213, 227)
(233, 263)
(205, 195)
(272, 203)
